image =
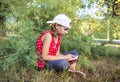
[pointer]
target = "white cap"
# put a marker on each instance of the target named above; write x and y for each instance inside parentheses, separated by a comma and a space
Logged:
(62, 20)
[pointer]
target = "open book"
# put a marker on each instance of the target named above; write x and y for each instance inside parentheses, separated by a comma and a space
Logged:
(74, 58)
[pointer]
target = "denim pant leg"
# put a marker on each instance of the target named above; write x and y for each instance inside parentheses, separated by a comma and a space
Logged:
(58, 65)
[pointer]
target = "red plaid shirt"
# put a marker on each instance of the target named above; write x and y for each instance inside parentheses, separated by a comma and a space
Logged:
(53, 48)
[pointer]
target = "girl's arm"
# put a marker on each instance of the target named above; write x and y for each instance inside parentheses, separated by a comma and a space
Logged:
(47, 38)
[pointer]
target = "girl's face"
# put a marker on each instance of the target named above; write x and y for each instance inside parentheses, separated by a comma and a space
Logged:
(62, 30)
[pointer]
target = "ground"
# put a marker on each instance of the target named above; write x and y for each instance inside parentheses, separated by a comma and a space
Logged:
(106, 69)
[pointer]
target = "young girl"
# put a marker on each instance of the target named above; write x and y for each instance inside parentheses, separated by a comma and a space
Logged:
(48, 47)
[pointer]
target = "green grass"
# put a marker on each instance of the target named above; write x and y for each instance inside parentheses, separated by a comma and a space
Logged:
(107, 70)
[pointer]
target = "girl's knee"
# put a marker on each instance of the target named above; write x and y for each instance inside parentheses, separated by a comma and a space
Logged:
(75, 52)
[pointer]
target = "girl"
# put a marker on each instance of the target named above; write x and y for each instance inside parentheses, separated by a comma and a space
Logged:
(48, 47)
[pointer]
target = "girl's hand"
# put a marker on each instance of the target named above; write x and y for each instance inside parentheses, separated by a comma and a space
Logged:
(69, 56)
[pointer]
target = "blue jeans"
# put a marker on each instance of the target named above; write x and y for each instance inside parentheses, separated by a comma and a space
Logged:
(60, 65)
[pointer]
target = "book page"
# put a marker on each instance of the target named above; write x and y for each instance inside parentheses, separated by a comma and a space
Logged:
(74, 58)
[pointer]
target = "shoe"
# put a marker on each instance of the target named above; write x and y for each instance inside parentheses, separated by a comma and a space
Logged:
(78, 73)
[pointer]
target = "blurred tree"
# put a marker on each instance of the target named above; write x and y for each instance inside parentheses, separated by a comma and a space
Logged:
(3, 10)
(25, 20)
(103, 22)
(113, 19)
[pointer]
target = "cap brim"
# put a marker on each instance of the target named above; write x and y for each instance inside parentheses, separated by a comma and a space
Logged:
(50, 22)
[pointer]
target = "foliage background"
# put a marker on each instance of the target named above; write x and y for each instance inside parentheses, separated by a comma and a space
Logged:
(22, 21)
